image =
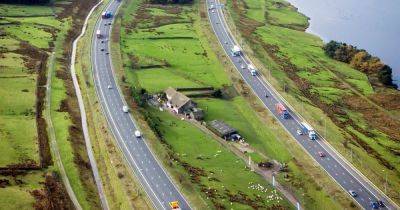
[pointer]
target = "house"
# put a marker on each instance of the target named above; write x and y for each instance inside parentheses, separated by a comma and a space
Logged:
(221, 129)
(178, 101)
(197, 114)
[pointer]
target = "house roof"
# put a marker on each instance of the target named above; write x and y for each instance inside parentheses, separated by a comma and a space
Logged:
(176, 98)
(170, 91)
(222, 128)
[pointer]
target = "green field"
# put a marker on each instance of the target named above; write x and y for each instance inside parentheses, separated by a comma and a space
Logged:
(29, 33)
(239, 114)
(18, 77)
(324, 90)
(177, 53)
(222, 173)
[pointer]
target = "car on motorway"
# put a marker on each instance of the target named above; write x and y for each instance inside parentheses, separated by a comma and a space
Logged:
(353, 193)
(125, 109)
(174, 205)
(374, 205)
(109, 87)
(102, 49)
(138, 134)
(299, 132)
(321, 154)
(381, 204)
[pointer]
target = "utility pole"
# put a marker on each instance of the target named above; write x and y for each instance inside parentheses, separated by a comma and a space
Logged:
(385, 179)
(351, 153)
(325, 128)
(269, 72)
(273, 180)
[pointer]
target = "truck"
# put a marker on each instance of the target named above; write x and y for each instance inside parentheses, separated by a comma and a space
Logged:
(282, 111)
(98, 34)
(252, 70)
(307, 129)
(236, 51)
(106, 15)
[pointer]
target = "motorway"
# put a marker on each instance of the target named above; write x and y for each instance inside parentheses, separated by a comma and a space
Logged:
(339, 169)
(155, 181)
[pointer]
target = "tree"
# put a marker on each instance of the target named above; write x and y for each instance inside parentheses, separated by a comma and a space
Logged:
(331, 47)
(385, 76)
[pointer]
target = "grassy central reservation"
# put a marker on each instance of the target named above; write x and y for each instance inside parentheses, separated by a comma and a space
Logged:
(166, 46)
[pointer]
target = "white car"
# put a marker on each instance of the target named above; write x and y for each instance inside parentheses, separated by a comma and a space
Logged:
(137, 134)
(299, 132)
(109, 87)
(125, 109)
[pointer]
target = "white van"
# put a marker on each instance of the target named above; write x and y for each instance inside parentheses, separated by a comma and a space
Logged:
(138, 134)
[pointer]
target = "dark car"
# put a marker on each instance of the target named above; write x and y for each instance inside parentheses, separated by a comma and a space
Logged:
(102, 49)
(381, 204)
(353, 193)
(374, 205)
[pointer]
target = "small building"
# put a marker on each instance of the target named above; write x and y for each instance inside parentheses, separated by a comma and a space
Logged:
(197, 114)
(221, 129)
(178, 101)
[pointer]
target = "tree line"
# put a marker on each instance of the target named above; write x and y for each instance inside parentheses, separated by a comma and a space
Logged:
(170, 1)
(360, 60)
(30, 2)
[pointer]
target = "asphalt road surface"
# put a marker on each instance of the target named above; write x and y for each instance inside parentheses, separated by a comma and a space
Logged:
(336, 167)
(155, 181)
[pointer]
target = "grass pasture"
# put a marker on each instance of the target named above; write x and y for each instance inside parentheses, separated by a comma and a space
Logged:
(170, 50)
(224, 175)
(18, 78)
(29, 34)
(23, 42)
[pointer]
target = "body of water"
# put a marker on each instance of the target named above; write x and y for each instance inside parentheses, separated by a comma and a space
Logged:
(368, 24)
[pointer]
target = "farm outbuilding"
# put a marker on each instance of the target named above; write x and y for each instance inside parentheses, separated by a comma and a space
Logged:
(197, 114)
(221, 129)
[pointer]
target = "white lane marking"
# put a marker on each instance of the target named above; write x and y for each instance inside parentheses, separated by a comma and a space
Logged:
(119, 134)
